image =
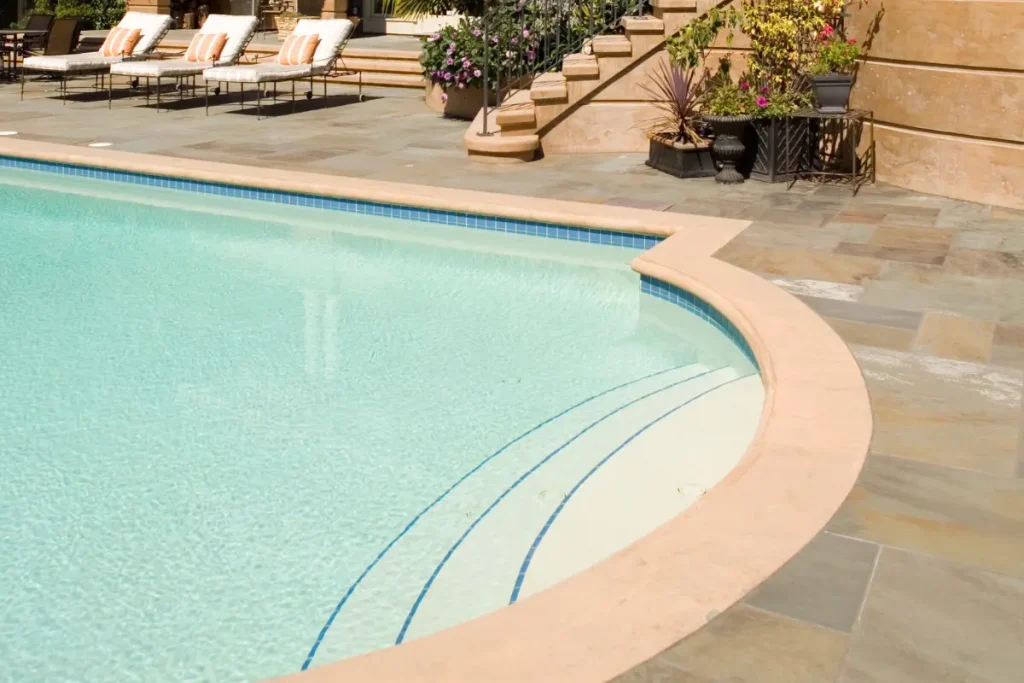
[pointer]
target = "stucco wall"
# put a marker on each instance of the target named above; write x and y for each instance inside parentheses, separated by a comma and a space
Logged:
(945, 79)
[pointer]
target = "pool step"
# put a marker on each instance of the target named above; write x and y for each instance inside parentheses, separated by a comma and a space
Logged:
(374, 614)
(481, 575)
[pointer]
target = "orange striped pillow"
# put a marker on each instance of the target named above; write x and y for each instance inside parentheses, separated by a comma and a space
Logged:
(298, 49)
(120, 42)
(206, 47)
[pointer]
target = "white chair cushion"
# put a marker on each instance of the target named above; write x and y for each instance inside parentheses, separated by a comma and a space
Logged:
(258, 73)
(83, 61)
(239, 29)
(332, 32)
(160, 68)
(152, 26)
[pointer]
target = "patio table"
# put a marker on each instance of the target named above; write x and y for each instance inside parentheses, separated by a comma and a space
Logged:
(11, 42)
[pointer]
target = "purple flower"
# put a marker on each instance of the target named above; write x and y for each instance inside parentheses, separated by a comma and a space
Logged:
(514, 41)
(476, 33)
(444, 97)
(494, 39)
(762, 102)
(764, 90)
(466, 63)
(449, 61)
(447, 76)
(462, 86)
(744, 86)
(451, 46)
(526, 33)
(477, 73)
(530, 55)
(435, 37)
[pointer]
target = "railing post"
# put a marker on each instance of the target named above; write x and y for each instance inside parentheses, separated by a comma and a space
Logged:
(487, 51)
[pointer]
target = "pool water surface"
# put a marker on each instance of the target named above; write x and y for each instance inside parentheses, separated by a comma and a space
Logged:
(240, 439)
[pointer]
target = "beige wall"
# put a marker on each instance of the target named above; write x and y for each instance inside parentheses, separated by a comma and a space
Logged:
(945, 79)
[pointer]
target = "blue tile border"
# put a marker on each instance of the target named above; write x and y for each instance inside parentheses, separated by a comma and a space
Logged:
(461, 219)
(700, 308)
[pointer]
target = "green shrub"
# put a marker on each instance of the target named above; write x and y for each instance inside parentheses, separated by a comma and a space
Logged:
(95, 14)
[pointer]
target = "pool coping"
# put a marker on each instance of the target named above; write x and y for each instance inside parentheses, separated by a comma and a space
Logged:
(809, 447)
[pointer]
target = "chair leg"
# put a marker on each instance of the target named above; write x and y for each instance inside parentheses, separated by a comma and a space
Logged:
(110, 92)
(259, 99)
(293, 97)
(147, 91)
(325, 91)
(158, 94)
(22, 82)
(241, 100)
(206, 89)
(63, 90)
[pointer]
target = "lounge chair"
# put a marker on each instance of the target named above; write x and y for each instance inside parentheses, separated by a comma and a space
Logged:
(239, 31)
(152, 27)
(36, 22)
(63, 37)
(333, 33)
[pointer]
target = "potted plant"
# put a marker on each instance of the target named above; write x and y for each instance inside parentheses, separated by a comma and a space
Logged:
(452, 59)
(678, 144)
(778, 146)
(728, 107)
(831, 72)
(285, 23)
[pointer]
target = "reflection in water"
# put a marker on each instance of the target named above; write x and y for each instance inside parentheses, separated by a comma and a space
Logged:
(321, 332)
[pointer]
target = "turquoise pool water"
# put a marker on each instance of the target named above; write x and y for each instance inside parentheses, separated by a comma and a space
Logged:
(226, 427)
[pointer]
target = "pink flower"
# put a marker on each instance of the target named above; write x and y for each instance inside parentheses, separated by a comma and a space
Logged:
(765, 90)
(762, 102)
(444, 97)
(851, 41)
(744, 86)
(526, 33)
(477, 73)
(462, 86)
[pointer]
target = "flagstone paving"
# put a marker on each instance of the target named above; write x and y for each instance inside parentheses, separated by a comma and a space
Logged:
(920, 575)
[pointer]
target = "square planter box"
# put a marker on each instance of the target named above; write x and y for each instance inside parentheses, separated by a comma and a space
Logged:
(777, 149)
(680, 159)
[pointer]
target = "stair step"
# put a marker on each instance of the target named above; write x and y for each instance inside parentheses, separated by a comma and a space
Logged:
(397, 66)
(612, 46)
(677, 5)
(383, 79)
(548, 87)
(580, 66)
(644, 24)
(521, 115)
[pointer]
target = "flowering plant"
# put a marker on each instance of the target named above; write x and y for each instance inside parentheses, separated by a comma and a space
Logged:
(725, 98)
(452, 56)
(835, 55)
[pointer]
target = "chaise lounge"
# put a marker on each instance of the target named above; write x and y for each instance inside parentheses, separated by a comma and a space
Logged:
(220, 42)
(333, 34)
(121, 46)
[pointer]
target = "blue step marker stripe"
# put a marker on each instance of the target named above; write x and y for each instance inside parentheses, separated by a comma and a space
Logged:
(561, 505)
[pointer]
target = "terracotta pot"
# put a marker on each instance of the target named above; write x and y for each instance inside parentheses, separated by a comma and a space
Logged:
(460, 104)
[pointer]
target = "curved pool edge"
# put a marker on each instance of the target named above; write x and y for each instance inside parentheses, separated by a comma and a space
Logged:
(809, 447)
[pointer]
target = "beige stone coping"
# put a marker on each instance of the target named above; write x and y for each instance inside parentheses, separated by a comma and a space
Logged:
(803, 461)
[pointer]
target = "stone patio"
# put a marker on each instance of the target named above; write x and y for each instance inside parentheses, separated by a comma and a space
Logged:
(920, 576)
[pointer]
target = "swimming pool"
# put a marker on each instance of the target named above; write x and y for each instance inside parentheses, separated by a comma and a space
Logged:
(244, 438)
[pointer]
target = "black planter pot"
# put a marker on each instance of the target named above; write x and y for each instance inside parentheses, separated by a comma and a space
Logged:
(777, 149)
(729, 146)
(832, 92)
(683, 160)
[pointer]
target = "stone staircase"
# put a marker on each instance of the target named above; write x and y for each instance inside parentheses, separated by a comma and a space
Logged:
(595, 103)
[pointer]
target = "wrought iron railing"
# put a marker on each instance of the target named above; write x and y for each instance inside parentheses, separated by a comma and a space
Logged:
(526, 38)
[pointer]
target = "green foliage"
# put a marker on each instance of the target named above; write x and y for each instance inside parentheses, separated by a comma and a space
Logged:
(677, 95)
(783, 34)
(725, 98)
(454, 56)
(688, 49)
(835, 56)
(97, 14)
(419, 8)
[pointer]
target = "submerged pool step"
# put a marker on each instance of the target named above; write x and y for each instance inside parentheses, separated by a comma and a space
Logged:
(372, 612)
(481, 574)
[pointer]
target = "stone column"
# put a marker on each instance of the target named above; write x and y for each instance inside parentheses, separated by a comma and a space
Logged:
(334, 9)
